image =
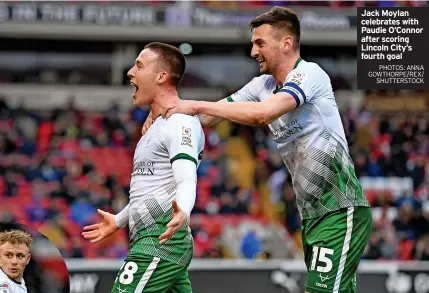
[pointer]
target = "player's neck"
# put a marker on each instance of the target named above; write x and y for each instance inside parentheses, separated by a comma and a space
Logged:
(285, 67)
(163, 101)
(17, 280)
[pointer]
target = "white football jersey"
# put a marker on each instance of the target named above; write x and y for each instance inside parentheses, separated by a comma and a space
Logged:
(153, 186)
(7, 285)
(311, 140)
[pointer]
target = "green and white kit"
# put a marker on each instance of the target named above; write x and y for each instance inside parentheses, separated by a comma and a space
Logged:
(313, 146)
(150, 266)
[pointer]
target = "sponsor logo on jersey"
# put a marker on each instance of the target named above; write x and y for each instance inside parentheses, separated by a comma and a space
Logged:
(286, 131)
(321, 285)
(186, 136)
(143, 168)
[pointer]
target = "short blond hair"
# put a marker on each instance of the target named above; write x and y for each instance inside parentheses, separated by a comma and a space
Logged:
(16, 237)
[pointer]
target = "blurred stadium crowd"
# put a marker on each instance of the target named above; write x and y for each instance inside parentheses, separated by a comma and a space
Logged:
(60, 166)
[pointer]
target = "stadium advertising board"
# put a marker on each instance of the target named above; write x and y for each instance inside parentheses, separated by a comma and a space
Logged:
(211, 276)
(101, 21)
(128, 14)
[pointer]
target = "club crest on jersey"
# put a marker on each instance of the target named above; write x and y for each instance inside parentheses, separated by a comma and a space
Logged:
(186, 136)
(4, 288)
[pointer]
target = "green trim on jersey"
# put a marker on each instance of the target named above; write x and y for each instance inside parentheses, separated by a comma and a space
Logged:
(297, 62)
(229, 99)
(184, 156)
(295, 66)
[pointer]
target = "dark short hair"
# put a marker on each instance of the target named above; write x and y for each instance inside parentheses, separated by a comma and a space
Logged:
(172, 58)
(280, 18)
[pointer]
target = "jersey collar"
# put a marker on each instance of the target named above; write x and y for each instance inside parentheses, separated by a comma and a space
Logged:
(297, 62)
(295, 66)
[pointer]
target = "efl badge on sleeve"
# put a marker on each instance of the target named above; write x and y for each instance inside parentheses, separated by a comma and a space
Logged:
(4, 288)
(297, 78)
(186, 131)
(186, 137)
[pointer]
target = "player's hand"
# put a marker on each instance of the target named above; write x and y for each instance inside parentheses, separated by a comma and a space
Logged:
(179, 219)
(147, 123)
(100, 231)
(182, 106)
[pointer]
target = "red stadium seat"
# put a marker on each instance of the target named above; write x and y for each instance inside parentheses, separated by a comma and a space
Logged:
(2, 185)
(405, 249)
(46, 130)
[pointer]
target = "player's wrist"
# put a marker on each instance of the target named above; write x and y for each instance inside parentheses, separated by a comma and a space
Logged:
(187, 214)
(186, 217)
(117, 222)
(197, 107)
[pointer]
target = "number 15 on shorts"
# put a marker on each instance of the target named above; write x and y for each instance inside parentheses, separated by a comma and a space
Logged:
(321, 261)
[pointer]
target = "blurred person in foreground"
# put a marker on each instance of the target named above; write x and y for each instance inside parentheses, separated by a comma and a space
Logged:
(295, 99)
(163, 183)
(15, 255)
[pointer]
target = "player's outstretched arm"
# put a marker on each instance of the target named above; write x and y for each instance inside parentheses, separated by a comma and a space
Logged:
(97, 232)
(248, 113)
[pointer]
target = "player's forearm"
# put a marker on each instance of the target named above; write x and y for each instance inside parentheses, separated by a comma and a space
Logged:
(248, 113)
(122, 218)
(209, 121)
(185, 175)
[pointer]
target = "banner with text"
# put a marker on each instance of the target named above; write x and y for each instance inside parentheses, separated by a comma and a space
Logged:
(144, 14)
(392, 48)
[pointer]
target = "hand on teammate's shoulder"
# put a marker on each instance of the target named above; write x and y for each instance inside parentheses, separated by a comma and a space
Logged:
(186, 107)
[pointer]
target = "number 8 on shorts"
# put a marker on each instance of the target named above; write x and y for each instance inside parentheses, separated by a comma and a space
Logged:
(147, 274)
(127, 275)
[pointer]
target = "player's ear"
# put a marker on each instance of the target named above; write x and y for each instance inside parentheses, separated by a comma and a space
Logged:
(287, 43)
(162, 77)
(28, 258)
